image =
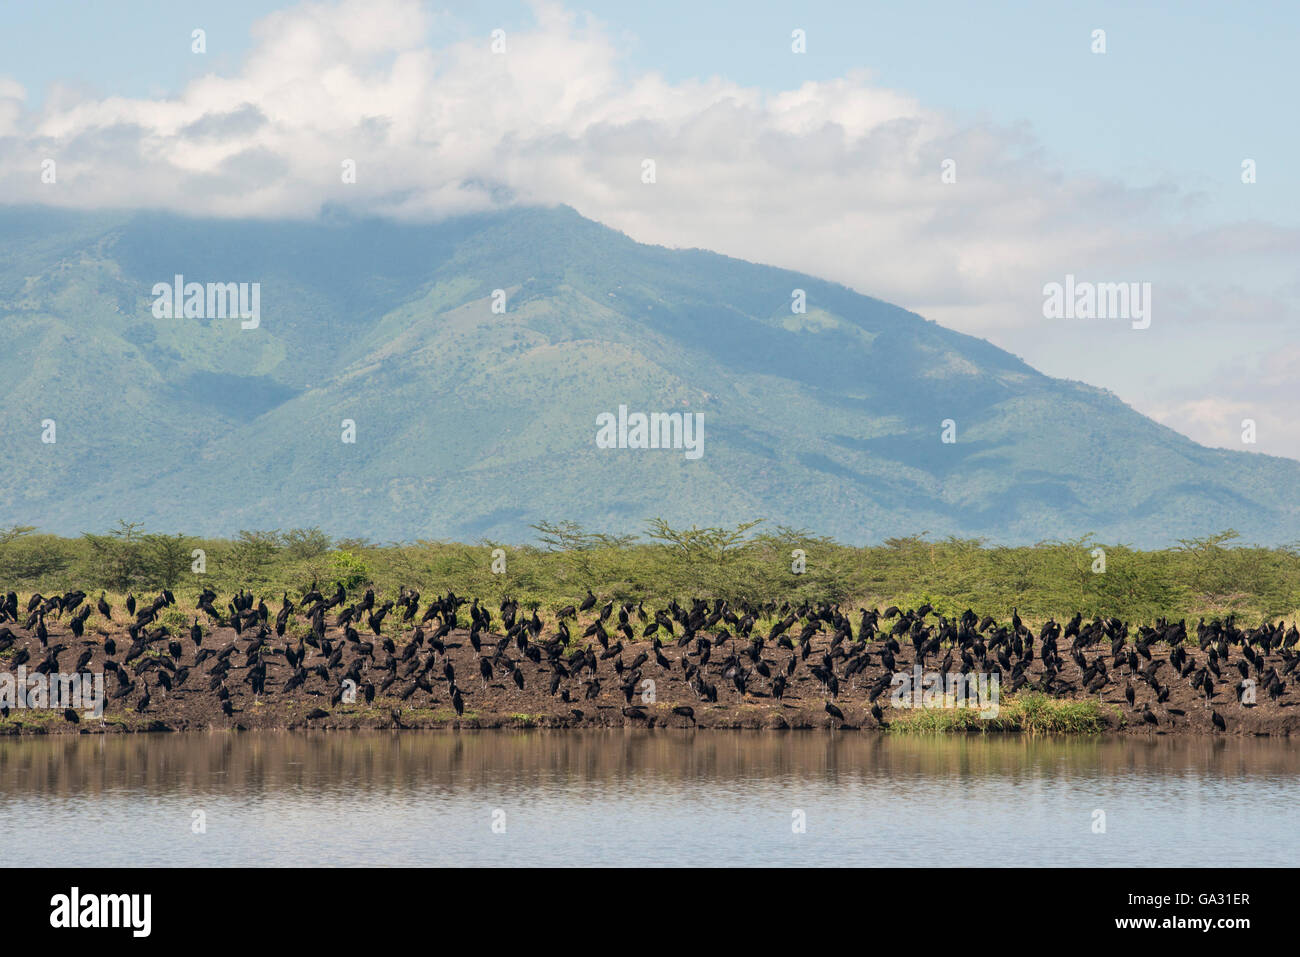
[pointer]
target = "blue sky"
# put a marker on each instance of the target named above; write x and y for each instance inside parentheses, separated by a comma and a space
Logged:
(1185, 90)
(1117, 167)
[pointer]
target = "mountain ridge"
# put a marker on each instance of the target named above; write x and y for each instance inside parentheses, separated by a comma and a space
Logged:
(472, 424)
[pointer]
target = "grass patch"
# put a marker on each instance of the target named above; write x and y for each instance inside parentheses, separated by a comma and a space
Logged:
(1028, 712)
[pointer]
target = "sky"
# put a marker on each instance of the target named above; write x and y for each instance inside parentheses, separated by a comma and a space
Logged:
(1122, 166)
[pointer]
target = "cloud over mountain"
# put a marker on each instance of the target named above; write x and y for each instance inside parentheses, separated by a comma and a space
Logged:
(838, 178)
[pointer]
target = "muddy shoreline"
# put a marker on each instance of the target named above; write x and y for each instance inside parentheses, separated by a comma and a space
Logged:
(413, 720)
(396, 692)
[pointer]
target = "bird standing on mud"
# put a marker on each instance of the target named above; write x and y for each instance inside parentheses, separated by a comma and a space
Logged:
(731, 660)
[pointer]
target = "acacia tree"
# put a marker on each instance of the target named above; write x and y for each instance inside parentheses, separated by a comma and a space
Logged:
(253, 553)
(28, 557)
(166, 558)
(118, 558)
(585, 553)
(1212, 575)
(302, 543)
(715, 544)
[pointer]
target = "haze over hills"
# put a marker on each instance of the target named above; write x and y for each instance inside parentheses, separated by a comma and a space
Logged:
(472, 424)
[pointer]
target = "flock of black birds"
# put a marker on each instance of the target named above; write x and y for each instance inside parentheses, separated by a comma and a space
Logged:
(705, 653)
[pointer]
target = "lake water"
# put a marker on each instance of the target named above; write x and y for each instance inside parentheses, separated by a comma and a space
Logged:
(640, 798)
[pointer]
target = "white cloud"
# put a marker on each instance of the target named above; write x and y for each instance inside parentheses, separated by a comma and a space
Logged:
(12, 96)
(838, 178)
(1258, 387)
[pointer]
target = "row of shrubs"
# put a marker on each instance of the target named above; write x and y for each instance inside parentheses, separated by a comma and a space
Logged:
(1213, 576)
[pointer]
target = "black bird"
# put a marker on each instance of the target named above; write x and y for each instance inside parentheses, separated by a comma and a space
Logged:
(778, 686)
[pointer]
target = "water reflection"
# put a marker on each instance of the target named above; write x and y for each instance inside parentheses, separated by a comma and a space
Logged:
(629, 797)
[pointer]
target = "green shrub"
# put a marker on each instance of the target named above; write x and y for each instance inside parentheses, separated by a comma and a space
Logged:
(348, 570)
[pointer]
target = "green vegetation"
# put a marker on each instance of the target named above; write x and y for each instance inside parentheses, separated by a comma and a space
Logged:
(1028, 712)
(1204, 577)
(471, 424)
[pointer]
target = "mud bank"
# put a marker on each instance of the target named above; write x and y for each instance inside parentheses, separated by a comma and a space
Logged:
(175, 685)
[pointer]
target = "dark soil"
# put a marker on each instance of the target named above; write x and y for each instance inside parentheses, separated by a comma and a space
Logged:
(499, 703)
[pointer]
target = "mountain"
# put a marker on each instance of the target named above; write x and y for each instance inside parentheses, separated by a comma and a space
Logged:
(473, 424)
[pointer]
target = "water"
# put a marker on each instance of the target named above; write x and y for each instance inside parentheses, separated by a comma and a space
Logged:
(646, 798)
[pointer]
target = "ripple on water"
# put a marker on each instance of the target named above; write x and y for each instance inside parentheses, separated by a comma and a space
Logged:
(647, 798)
